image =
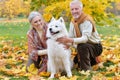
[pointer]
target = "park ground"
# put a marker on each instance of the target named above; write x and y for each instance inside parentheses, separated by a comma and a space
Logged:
(13, 54)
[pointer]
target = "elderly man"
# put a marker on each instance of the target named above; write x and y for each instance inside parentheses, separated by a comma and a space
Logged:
(84, 35)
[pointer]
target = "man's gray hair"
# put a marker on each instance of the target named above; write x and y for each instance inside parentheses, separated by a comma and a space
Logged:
(77, 2)
(33, 14)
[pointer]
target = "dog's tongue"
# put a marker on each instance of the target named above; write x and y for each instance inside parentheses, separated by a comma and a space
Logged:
(52, 33)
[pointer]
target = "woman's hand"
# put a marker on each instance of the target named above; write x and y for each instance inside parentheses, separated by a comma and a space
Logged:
(34, 55)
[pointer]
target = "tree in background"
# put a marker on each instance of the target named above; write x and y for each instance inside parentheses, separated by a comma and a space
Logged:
(12, 8)
(56, 8)
(36, 4)
(100, 10)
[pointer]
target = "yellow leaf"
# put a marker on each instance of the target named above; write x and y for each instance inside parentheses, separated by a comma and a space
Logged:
(71, 78)
(32, 69)
(95, 67)
(23, 69)
(9, 72)
(6, 78)
(35, 77)
(63, 78)
(85, 72)
(47, 17)
(6, 47)
(44, 74)
(28, 74)
(109, 78)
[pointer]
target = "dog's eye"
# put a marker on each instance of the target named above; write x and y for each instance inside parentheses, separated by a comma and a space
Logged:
(56, 26)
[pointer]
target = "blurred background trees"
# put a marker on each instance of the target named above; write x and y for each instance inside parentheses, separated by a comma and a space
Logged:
(13, 8)
(102, 11)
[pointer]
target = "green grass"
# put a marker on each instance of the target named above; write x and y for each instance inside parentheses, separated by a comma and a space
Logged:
(14, 31)
(17, 31)
(108, 30)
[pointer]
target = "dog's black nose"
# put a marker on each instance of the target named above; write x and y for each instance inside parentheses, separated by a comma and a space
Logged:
(50, 29)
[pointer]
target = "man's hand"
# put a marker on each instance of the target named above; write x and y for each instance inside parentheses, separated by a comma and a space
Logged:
(65, 41)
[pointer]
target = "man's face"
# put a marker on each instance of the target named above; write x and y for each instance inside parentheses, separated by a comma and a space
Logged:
(75, 10)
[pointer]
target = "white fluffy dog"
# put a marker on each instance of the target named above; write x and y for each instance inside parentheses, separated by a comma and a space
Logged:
(59, 58)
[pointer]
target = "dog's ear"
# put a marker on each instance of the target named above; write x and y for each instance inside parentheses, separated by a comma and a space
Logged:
(61, 19)
(52, 19)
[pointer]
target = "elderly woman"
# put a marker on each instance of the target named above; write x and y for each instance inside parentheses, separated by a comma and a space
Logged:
(37, 41)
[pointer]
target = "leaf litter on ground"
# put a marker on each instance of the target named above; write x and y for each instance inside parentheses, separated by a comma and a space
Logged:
(13, 63)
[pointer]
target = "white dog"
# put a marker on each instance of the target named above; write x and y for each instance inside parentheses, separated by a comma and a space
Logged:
(59, 58)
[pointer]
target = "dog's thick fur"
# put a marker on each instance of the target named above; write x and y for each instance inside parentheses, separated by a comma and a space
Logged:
(58, 55)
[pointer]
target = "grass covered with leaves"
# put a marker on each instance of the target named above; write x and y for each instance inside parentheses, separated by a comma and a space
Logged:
(13, 55)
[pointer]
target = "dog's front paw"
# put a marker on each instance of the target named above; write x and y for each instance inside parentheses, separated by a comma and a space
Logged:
(51, 76)
(69, 75)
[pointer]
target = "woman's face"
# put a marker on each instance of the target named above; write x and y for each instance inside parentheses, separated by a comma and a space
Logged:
(75, 10)
(37, 23)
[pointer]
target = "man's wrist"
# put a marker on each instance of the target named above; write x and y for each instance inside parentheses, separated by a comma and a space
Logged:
(71, 40)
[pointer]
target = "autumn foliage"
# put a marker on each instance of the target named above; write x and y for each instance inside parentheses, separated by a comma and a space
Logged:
(13, 59)
(13, 62)
(13, 8)
(96, 8)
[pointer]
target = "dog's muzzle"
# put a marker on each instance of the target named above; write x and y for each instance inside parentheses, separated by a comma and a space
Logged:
(52, 32)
